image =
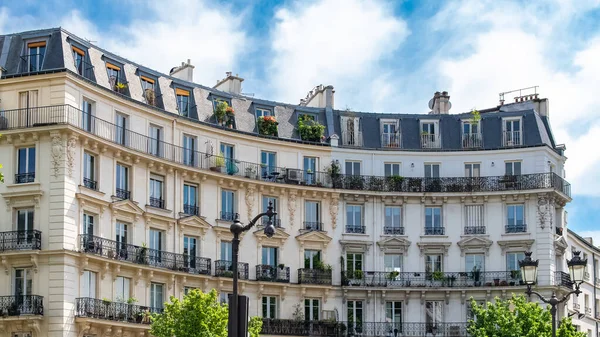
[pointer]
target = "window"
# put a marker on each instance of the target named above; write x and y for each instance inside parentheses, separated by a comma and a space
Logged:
(392, 262)
(433, 263)
(28, 99)
(87, 284)
(262, 112)
(86, 115)
(512, 261)
(35, 55)
(393, 312)
(472, 170)
(122, 288)
(312, 309)
(513, 168)
(269, 256)
(121, 238)
(391, 169)
(354, 262)
(471, 136)
(156, 295)
(147, 83)
(429, 138)
(393, 220)
(355, 313)
(79, 58)
(351, 131)
(268, 164)
(512, 132)
(89, 171)
(183, 102)
(227, 205)
(224, 298)
(354, 219)
(25, 220)
(474, 262)
(226, 250)
(113, 74)
(154, 141)
(88, 224)
(190, 203)
(156, 191)
(474, 219)
(26, 165)
(189, 150)
(312, 258)
(23, 283)
(190, 249)
(312, 215)
(122, 184)
(121, 129)
(432, 170)
(433, 315)
(433, 221)
(391, 135)
(515, 222)
(227, 151)
(187, 290)
(470, 314)
(156, 246)
(217, 100)
(265, 204)
(269, 307)
(353, 168)
(310, 167)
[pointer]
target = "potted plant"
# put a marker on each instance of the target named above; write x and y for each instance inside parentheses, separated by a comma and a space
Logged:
(250, 172)
(142, 254)
(120, 87)
(131, 300)
(334, 172)
(220, 112)
(219, 163)
(496, 282)
(438, 276)
(476, 275)
(503, 283)
(515, 274)
(358, 274)
(267, 125)
(309, 129)
(395, 183)
(392, 276)
(281, 266)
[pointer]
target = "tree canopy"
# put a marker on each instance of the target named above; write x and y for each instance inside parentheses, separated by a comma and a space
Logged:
(516, 317)
(197, 315)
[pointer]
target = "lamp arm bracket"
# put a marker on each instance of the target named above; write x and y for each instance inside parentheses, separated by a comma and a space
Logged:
(253, 221)
(529, 292)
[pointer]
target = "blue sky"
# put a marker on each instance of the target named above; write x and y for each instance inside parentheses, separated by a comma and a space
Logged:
(385, 56)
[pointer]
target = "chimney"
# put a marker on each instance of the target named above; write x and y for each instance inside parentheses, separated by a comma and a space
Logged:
(231, 84)
(184, 72)
(319, 97)
(440, 103)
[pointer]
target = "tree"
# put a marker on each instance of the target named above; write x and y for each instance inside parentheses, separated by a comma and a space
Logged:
(197, 315)
(516, 317)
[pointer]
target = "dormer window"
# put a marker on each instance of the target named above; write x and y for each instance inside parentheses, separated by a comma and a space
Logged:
(511, 132)
(35, 56)
(262, 112)
(390, 136)
(79, 58)
(183, 102)
(148, 90)
(471, 134)
(351, 131)
(115, 77)
(429, 135)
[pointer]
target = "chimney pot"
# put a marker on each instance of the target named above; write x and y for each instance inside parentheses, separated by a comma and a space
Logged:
(189, 61)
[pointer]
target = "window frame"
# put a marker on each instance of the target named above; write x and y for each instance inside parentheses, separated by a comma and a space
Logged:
(354, 164)
(470, 169)
(392, 165)
(512, 167)
(37, 44)
(180, 93)
(270, 309)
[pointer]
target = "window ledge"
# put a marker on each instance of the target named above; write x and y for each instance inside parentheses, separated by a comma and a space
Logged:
(224, 222)
(84, 188)
(162, 210)
(356, 234)
(24, 185)
(516, 234)
(434, 236)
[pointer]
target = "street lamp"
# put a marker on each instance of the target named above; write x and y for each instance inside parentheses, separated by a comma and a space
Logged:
(237, 228)
(529, 269)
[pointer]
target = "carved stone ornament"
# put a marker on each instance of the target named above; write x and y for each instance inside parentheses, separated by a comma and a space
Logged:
(250, 198)
(57, 152)
(333, 210)
(71, 146)
(545, 211)
(292, 206)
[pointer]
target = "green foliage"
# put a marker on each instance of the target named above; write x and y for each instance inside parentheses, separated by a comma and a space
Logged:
(309, 129)
(475, 116)
(515, 317)
(197, 315)
(220, 111)
(267, 125)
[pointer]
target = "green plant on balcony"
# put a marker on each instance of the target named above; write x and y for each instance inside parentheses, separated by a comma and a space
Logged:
(358, 275)
(142, 254)
(475, 116)
(218, 163)
(392, 276)
(267, 125)
(309, 129)
(131, 300)
(438, 276)
(515, 274)
(221, 112)
(120, 87)
(395, 182)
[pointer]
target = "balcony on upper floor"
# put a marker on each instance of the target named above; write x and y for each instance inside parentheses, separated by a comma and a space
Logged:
(227, 216)
(474, 230)
(434, 230)
(472, 140)
(276, 222)
(191, 210)
(31, 63)
(563, 279)
(511, 138)
(157, 202)
(269, 273)
(84, 69)
(20, 240)
(314, 276)
(393, 230)
(294, 327)
(391, 140)
(21, 305)
(87, 307)
(122, 194)
(393, 329)
(313, 226)
(352, 138)
(430, 141)
(91, 184)
(120, 251)
(355, 229)
(23, 178)
(224, 268)
(397, 279)
(515, 228)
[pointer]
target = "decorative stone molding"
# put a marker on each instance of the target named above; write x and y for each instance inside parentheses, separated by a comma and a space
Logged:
(22, 198)
(56, 152)
(250, 199)
(355, 246)
(71, 147)
(5, 264)
(292, 194)
(394, 245)
(545, 210)
(126, 210)
(560, 246)
(316, 239)
(195, 224)
(475, 244)
(520, 245)
(434, 247)
(278, 239)
(334, 208)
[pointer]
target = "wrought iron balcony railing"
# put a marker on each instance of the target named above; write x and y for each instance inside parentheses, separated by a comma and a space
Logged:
(353, 229)
(96, 245)
(89, 183)
(22, 178)
(191, 210)
(430, 141)
(472, 140)
(435, 230)
(351, 138)
(84, 69)
(31, 63)
(292, 327)
(393, 140)
(520, 228)
(472, 230)
(66, 114)
(265, 272)
(114, 311)
(563, 279)
(157, 202)
(122, 194)
(20, 240)
(314, 276)
(276, 222)
(397, 279)
(393, 230)
(313, 226)
(511, 138)
(21, 305)
(224, 268)
(227, 216)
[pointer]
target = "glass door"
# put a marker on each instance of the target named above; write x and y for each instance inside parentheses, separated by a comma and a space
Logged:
(23, 285)
(189, 251)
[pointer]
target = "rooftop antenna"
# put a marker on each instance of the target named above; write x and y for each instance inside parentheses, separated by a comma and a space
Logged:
(89, 41)
(251, 94)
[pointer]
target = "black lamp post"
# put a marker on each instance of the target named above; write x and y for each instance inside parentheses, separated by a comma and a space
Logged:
(237, 228)
(529, 269)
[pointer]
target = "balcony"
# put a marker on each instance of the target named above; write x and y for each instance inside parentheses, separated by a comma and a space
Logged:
(185, 263)
(265, 272)
(313, 226)
(352, 229)
(84, 69)
(430, 141)
(397, 279)
(435, 230)
(276, 222)
(314, 276)
(372, 329)
(227, 216)
(224, 268)
(393, 230)
(113, 311)
(563, 279)
(89, 183)
(21, 305)
(65, 114)
(20, 240)
(472, 141)
(157, 202)
(393, 140)
(351, 138)
(474, 230)
(511, 138)
(519, 228)
(30, 63)
(559, 230)
(122, 194)
(22, 178)
(292, 327)
(191, 210)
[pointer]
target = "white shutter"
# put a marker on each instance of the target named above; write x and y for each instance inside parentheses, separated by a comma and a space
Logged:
(33, 99)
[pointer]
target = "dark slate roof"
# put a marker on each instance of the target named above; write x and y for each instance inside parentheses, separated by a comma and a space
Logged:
(536, 128)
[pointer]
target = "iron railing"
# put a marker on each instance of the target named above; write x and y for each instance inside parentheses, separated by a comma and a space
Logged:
(122, 194)
(186, 263)
(472, 230)
(431, 279)
(89, 183)
(393, 230)
(314, 276)
(66, 114)
(84, 69)
(292, 327)
(472, 140)
(520, 228)
(430, 141)
(393, 140)
(563, 279)
(22, 178)
(351, 138)
(511, 138)
(157, 202)
(21, 240)
(224, 268)
(21, 305)
(265, 272)
(276, 222)
(435, 230)
(114, 311)
(227, 216)
(384, 329)
(31, 63)
(352, 229)
(313, 226)
(191, 209)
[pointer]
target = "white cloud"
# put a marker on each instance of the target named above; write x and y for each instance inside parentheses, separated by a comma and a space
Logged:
(337, 42)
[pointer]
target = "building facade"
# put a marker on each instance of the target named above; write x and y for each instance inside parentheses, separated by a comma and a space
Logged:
(122, 182)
